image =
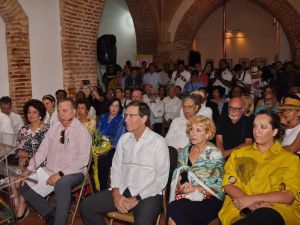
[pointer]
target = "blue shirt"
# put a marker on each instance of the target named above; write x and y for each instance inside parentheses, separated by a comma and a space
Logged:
(190, 87)
(112, 129)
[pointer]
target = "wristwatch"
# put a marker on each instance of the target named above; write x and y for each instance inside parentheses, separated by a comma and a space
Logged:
(60, 173)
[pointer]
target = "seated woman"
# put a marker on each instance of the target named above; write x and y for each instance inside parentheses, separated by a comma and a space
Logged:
(262, 180)
(196, 193)
(51, 114)
(291, 121)
(112, 125)
(83, 108)
(29, 140)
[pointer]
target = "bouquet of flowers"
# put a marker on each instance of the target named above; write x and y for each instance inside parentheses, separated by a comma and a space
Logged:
(100, 146)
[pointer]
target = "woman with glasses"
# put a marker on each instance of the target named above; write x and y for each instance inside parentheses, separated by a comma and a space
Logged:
(29, 140)
(51, 113)
(111, 125)
(290, 110)
(262, 180)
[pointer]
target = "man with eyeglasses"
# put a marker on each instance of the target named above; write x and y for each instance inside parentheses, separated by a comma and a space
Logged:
(66, 147)
(139, 173)
(235, 129)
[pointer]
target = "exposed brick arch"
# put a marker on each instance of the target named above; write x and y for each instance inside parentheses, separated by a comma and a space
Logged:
(288, 17)
(18, 52)
(80, 21)
(146, 25)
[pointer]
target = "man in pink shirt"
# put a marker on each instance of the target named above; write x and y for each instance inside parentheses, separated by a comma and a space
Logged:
(67, 149)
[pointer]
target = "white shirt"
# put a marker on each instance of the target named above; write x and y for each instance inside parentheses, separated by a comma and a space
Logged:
(153, 79)
(141, 166)
(17, 120)
(6, 124)
(245, 78)
(92, 113)
(179, 81)
(164, 78)
(226, 75)
(146, 99)
(51, 120)
(177, 136)
(157, 108)
(205, 111)
(172, 107)
(290, 135)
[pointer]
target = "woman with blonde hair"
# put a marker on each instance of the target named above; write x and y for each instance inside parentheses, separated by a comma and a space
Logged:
(249, 105)
(196, 183)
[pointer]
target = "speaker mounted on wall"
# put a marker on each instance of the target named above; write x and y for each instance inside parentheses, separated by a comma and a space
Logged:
(106, 49)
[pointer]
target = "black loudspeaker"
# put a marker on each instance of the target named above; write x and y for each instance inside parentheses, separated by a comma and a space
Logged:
(106, 49)
(194, 58)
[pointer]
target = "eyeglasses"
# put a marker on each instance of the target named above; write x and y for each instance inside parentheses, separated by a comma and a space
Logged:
(288, 111)
(235, 109)
(62, 137)
(130, 115)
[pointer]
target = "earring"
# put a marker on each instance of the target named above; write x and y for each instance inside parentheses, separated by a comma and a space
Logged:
(40, 117)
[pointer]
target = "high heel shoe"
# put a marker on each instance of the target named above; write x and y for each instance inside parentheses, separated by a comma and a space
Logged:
(24, 215)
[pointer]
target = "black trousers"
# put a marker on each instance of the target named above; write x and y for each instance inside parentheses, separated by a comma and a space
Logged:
(145, 213)
(104, 165)
(262, 216)
(187, 212)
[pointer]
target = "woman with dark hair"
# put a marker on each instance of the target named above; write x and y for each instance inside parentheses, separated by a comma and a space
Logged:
(83, 108)
(29, 140)
(217, 96)
(111, 125)
(51, 114)
(262, 180)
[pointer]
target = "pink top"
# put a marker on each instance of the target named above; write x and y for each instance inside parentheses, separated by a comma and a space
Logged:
(203, 78)
(70, 157)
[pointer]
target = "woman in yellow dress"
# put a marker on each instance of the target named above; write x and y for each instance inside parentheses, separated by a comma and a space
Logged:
(262, 180)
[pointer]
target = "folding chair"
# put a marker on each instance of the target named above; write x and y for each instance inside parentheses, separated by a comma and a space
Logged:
(86, 181)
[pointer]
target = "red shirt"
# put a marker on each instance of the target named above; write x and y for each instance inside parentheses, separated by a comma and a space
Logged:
(203, 78)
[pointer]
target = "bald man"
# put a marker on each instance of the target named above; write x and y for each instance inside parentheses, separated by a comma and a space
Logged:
(235, 129)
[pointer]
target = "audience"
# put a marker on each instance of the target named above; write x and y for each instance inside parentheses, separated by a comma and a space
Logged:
(261, 180)
(231, 101)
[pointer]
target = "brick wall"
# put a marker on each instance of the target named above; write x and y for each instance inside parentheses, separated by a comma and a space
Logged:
(18, 52)
(288, 17)
(79, 22)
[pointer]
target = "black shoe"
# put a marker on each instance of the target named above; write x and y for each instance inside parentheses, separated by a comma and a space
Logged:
(50, 219)
(24, 215)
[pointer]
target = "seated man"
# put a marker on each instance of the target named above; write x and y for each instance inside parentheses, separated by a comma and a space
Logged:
(234, 130)
(67, 149)
(6, 107)
(139, 173)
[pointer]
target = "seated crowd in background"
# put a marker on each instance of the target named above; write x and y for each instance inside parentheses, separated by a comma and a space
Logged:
(206, 117)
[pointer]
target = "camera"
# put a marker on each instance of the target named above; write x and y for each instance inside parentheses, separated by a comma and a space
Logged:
(85, 82)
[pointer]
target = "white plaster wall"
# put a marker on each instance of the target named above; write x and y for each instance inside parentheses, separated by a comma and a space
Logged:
(116, 19)
(45, 46)
(253, 30)
(4, 85)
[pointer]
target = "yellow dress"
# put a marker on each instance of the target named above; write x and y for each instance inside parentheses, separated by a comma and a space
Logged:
(90, 125)
(257, 172)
